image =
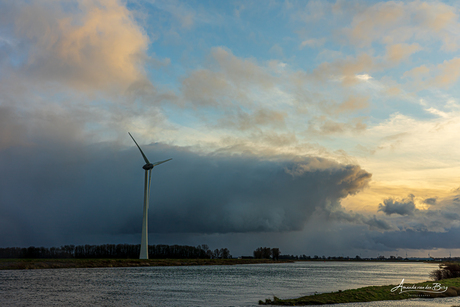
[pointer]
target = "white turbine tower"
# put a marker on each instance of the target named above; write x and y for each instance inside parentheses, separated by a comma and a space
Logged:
(148, 175)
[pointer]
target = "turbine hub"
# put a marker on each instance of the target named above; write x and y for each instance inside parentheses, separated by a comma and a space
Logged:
(148, 166)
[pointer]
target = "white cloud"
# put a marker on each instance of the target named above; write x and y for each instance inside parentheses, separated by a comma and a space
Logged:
(437, 112)
(397, 22)
(364, 77)
(92, 46)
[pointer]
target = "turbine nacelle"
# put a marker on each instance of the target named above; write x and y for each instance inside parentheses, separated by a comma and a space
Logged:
(148, 166)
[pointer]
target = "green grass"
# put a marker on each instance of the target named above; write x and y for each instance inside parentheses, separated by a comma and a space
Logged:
(26, 264)
(368, 294)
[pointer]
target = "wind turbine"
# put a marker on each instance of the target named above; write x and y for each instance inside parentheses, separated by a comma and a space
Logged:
(148, 175)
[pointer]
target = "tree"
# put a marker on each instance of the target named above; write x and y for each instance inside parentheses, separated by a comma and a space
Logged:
(258, 253)
(225, 253)
(275, 253)
(216, 254)
(266, 253)
(204, 247)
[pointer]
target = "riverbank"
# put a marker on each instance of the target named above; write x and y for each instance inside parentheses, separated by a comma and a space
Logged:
(28, 264)
(373, 293)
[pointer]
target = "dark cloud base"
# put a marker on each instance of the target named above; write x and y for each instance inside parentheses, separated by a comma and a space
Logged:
(419, 239)
(62, 192)
(52, 191)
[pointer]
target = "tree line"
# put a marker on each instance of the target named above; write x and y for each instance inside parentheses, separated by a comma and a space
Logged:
(128, 251)
(267, 253)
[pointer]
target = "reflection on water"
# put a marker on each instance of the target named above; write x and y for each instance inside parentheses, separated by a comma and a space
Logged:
(237, 285)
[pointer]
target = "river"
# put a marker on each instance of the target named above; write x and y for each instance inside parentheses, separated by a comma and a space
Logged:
(232, 285)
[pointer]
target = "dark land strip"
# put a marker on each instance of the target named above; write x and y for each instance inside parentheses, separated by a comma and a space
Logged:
(26, 264)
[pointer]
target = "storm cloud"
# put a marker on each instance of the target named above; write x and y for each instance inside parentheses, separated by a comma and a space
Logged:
(430, 201)
(402, 207)
(55, 189)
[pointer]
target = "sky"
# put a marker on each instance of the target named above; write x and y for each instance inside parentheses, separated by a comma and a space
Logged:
(319, 127)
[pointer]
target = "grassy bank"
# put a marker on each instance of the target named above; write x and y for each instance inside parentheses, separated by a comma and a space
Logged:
(26, 264)
(368, 294)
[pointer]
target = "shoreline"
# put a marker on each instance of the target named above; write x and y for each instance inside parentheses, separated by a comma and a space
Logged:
(70, 263)
(56, 263)
(372, 293)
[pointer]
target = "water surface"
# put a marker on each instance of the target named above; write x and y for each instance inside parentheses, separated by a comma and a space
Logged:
(232, 285)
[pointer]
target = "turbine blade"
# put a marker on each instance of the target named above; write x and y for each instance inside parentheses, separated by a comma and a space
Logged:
(158, 163)
(145, 158)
